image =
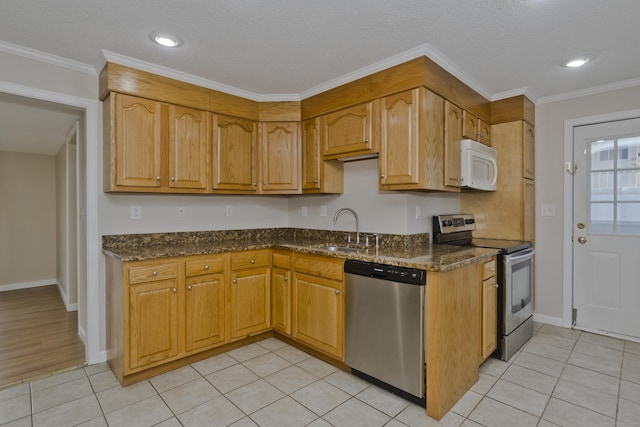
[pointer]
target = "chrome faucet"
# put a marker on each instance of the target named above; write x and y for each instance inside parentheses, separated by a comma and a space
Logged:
(343, 210)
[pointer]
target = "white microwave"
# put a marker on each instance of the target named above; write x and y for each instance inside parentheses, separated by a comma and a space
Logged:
(479, 170)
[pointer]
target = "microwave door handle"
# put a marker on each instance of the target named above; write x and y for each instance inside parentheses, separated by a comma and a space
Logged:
(529, 253)
(495, 168)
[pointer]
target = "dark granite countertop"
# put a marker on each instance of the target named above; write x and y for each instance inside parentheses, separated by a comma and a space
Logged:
(409, 251)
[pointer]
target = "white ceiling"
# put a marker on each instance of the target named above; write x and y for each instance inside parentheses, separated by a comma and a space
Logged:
(292, 49)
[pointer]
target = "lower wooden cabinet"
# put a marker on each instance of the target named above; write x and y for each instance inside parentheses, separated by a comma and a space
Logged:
(488, 310)
(250, 293)
(281, 292)
(318, 287)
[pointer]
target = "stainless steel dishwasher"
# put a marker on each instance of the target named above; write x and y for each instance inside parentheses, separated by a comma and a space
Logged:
(385, 326)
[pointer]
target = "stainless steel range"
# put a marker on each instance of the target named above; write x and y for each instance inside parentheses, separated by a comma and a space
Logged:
(515, 278)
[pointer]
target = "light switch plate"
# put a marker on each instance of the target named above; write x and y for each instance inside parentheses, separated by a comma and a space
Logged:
(548, 209)
(136, 212)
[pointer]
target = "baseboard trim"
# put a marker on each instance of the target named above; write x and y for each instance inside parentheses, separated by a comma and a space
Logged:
(549, 320)
(65, 300)
(26, 285)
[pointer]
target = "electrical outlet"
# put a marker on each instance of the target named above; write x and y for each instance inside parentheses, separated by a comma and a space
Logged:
(323, 210)
(418, 212)
(303, 211)
(181, 211)
(229, 210)
(548, 210)
(136, 212)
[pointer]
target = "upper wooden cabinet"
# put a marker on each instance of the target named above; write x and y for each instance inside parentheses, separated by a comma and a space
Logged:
(151, 146)
(453, 123)
(280, 143)
(318, 175)
(235, 154)
(412, 144)
(475, 128)
(528, 154)
(350, 131)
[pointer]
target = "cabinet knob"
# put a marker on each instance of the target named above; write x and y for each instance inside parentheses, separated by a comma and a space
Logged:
(189, 287)
(206, 267)
(157, 178)
(253, 261)
(173, 178)
(254, 184)
(366, 140)
(286, 279)
(155, 273)
(337, 291)
(315, 181)
(264, 182)
(175, 290)
(235, 280)
(496, 285)
(381, 175)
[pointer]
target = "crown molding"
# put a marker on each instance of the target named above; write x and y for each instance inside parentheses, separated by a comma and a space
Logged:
(526, 91)
(422, 50)
(590, 91)
(48, 58)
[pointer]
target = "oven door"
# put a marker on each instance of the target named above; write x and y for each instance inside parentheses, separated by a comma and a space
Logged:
(518, 288)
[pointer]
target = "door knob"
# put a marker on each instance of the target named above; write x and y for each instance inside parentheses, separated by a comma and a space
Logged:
(582, 239)
(580, 226)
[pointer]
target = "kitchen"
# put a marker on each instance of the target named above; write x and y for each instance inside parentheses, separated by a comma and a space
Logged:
(158, 212)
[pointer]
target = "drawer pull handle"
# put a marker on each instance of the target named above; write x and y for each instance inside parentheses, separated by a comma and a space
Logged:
(189, 287)
(175, 290)
(155, 273)
(206, 267)
(253, 261)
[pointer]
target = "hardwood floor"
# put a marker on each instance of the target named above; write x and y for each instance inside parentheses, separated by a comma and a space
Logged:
(37, 335)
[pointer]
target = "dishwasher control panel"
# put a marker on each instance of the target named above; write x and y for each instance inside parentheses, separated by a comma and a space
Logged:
(394, 273)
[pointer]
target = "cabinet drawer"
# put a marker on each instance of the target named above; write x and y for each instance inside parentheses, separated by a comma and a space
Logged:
(489, 269)
(150, 273)
(282, 260)
(205, 266)
(249, 259)
(330, 268)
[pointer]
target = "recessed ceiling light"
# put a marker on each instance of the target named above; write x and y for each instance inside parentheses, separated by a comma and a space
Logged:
(166, 40)
(577, 62)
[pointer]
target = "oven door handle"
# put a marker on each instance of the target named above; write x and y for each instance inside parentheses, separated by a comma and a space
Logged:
(528, 254)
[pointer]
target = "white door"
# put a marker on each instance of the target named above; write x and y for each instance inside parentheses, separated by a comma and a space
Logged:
(606, 228)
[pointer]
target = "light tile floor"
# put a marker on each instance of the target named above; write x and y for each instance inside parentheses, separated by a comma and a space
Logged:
(561, 377)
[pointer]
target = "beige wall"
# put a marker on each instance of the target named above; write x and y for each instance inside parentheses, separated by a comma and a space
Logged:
(550, 118)
(27, 218)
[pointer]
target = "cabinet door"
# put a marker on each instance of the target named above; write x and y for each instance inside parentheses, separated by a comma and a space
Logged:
(235, 154)
(529, 210)
(280, 161)
(399, 142)
(452, 137)
(250, 302)
(528, 151)
(153, 323)
(311, 154)
(470, 126)
(484, 133)
(349, 131)
(281, 300)
(188, 147)
(489, 316)
(204, 312)
(319, 313)
(137, 142)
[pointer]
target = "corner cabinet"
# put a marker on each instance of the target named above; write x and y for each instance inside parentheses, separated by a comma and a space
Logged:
(318, 175)
(318, 301)
(150, 146)
(412, 143)
(280, 146)
(250, 294)
(281, 292)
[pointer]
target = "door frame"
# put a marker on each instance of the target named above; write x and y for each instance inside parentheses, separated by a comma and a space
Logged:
(94, 297)
(567, 265)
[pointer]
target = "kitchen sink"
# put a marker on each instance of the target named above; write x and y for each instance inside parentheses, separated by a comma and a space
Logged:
(339, 249)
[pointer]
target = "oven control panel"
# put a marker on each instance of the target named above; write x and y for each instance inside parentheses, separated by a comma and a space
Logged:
(446, 224)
